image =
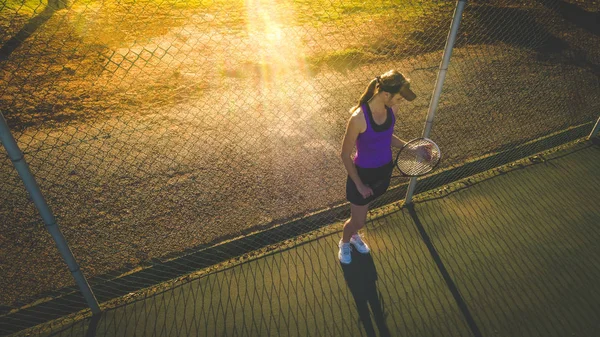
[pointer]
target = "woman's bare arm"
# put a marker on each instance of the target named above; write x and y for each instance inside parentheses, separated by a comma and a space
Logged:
(355, 126)
(397, 142)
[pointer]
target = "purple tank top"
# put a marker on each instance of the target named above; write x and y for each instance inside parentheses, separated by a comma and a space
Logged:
(374, 146)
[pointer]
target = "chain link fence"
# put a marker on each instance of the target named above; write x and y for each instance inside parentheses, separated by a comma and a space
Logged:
(171, 136)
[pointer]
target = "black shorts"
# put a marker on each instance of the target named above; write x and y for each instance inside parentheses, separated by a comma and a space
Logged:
(377, 178)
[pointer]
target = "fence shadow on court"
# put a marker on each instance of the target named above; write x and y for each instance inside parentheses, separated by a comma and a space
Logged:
(228, 302)
(444, 272)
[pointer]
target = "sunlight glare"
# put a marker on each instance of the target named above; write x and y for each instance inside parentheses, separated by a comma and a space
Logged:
(278, 50)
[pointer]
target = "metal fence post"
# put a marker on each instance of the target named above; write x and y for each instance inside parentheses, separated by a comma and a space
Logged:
(16, 156)
(594, 130)
(460, 6)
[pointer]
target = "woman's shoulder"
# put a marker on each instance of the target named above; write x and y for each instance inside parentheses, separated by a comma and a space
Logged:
(356, 111)
(358, 119)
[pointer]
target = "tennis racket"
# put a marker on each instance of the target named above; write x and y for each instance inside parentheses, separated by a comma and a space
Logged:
(417, 157)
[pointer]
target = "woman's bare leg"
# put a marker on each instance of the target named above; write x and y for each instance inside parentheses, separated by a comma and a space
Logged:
(358, 218)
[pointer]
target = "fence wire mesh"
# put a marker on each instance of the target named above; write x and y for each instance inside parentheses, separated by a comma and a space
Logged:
(164, 133)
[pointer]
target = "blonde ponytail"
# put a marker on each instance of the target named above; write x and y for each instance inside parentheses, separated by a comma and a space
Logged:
(368, 94)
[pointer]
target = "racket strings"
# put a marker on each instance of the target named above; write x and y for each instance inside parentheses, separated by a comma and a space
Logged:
(418, 157)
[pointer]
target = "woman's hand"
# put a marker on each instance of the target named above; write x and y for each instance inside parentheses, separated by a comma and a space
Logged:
(424, 152)
(364, 190)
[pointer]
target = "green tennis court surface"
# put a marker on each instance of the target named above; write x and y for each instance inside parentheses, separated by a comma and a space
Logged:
(512, 254)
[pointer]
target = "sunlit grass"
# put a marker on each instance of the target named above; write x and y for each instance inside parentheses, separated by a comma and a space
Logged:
(124, 23)
(340, 60)
(319, 12)
(24, 7)
(173, 50)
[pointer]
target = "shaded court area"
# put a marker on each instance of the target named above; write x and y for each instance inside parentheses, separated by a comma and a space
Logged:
(510, 252)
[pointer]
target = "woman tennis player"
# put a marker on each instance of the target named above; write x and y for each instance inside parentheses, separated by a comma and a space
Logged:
(370, 129)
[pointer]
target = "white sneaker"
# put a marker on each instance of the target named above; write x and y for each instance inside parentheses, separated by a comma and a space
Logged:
(344, 254)
(358, 243)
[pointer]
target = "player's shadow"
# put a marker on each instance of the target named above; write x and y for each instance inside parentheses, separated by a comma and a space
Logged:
(361, 277)
(30, 27)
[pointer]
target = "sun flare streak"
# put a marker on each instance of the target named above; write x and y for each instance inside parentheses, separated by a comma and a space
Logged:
(278, 50)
